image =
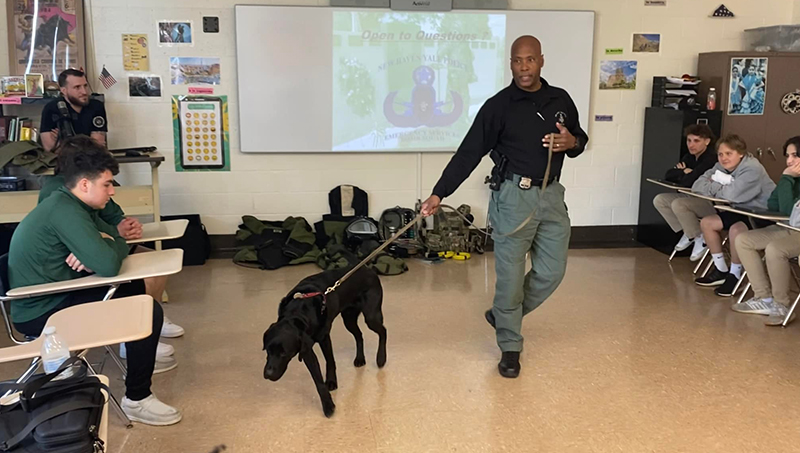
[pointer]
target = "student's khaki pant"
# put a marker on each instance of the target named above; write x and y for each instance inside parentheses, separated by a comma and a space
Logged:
(545, 236)
(683, 212)
(779, 245)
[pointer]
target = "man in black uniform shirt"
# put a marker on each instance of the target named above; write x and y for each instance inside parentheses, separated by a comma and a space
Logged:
(87, 116)
(517, 125)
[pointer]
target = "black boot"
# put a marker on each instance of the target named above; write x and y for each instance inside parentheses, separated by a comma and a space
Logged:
(490, 318)
(509, 365)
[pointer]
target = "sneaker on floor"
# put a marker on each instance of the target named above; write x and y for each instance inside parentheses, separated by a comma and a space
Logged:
(757, 306)
(150, 411)
(164, 364)
(714, 278)
(726, 290)
(170, 329)
(683, 243)
(163, 350)
(776, 319)
(699, 249)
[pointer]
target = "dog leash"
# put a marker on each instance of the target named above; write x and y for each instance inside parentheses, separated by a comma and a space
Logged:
(372, 255)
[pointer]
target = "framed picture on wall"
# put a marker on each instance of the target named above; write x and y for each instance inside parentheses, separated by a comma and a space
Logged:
(45, 36)
(748, 86)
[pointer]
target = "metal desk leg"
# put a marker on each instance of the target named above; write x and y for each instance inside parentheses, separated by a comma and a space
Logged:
(744, 293)
(791, 310)
(739, 282)
(156, 197)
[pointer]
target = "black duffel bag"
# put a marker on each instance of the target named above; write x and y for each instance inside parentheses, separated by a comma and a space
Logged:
(195, 242)
(61, 416)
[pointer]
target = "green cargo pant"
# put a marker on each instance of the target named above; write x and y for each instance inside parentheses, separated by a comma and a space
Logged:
(545, 236)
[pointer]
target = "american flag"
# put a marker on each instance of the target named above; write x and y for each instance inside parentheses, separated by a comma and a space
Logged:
(106, 78)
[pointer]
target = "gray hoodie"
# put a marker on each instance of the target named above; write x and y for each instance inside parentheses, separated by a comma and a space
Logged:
(750, 188)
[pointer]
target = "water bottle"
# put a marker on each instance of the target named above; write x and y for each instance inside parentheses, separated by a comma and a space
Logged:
(54, 352)
(711, 102)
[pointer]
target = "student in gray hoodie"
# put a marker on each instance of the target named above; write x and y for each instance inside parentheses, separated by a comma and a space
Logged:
(744, 182)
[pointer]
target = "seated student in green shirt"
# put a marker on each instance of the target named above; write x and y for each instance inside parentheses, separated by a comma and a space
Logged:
(63, 238)
(129, 228)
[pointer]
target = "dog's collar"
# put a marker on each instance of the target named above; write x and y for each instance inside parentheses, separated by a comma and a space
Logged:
(310, 295)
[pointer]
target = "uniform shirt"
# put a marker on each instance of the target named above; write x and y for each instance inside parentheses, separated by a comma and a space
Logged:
(59, 225)
(91, 118)
(112, 214)
(513, 123)
(698, 166)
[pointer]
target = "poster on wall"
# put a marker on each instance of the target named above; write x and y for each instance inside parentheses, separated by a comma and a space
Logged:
(46, 36)
(200, 128)
(618, 75)
(175, 33)
(748, 86)
(189, 70)
(646, 42)
(135, 53)
(144, 86)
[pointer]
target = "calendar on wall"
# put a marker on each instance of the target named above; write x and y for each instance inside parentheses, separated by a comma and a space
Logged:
(200, 127)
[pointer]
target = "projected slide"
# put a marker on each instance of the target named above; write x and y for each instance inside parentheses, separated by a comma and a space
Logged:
(412, 80)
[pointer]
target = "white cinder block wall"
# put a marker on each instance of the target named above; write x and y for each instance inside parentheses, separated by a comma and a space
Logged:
(603, 184)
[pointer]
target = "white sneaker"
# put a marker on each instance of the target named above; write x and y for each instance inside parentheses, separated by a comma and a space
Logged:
(150, 411)
(777, 317)
(163, 350)
(699, 248)
(170, 329)
(683, 244)
(164, 364)
(757, 306)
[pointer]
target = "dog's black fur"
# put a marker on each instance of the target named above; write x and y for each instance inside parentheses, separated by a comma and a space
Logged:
(303, 322)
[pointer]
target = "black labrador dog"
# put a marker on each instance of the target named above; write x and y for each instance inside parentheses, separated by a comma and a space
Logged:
(305, 317)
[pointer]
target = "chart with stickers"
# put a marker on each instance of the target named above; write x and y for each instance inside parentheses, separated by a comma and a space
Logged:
(200, 131)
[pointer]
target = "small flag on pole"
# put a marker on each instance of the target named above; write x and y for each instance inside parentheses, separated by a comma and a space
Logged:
(106, 78)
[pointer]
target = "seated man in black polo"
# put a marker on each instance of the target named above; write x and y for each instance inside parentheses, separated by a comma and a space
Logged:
(87, 116)
(63, 238)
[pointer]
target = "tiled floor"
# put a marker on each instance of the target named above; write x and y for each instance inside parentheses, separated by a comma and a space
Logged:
(628, 356)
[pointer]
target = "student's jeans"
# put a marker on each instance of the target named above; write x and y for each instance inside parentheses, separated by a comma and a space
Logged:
(141, 353)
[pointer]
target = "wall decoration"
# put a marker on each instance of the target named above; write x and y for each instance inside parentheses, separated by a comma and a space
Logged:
(748, 88)
(790, 103)
(144, 87)
(604, 118)
(13, 86)
(647, 42)
(200, 128)
(34, 85)
(655, 2)
(618, 75)
(135, 53)
(722, 11)
(175, 33)
(614, 51)
(185, 71)
(45, 36)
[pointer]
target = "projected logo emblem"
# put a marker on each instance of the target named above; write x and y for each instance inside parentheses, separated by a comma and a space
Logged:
(424, 109)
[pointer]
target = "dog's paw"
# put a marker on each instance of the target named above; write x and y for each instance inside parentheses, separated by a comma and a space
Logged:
(328, 408)
(332, 385)
(381, 359)
(359, 362)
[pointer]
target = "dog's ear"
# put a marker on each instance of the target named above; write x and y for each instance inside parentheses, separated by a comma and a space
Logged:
(268, 335)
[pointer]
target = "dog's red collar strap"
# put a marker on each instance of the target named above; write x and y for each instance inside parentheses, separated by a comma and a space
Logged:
(310, 295)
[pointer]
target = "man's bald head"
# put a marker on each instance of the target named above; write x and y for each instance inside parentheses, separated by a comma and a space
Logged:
(527, 62)
(529, 41)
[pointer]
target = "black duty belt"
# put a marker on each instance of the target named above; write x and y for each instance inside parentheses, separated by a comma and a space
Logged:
(526, 183)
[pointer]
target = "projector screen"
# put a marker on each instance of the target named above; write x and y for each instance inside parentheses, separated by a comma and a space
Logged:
(314, 79)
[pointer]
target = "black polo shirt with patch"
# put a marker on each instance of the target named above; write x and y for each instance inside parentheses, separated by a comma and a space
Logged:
(91, 118)
(513, 123)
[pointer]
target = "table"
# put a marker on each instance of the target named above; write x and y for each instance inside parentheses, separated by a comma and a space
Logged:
(161, 231)
(787, 226)
(134, 267)
(704, 197)
(667, 184)
(757, 214)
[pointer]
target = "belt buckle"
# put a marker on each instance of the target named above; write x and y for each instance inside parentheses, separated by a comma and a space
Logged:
(524, 183)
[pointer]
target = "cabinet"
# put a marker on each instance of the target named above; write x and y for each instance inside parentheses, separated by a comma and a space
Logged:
(766, 133)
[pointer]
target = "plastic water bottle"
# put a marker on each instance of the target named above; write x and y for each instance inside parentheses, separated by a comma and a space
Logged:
(54, 352)
(711, 102)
